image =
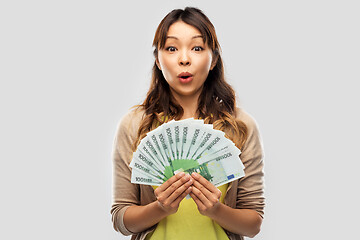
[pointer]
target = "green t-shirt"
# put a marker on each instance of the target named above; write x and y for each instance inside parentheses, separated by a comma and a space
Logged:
(188, 223)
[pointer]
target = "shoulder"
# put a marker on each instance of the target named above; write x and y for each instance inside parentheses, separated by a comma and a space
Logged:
(246, 118)
(130, 122)
(134, 115)
(254, 139)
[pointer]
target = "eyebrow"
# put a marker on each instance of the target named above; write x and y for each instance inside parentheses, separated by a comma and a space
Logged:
(196, 36)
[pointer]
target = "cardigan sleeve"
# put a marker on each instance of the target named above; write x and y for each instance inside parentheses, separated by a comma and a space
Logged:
(250, 192)
(125, 194)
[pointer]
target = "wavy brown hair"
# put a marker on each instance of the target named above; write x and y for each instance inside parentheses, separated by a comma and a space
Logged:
(216, 104)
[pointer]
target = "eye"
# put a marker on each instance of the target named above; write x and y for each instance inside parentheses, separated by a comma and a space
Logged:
(198, 48)
(171, 49)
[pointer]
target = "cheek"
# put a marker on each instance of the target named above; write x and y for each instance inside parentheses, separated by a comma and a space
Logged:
(205, 64)
(166, 65)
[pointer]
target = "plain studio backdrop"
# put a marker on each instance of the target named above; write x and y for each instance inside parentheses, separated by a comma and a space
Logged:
(70, 70)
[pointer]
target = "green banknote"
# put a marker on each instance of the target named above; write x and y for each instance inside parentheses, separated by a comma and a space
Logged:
(187, 145)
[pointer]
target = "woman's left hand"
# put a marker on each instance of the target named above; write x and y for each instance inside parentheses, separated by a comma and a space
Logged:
(205, 195)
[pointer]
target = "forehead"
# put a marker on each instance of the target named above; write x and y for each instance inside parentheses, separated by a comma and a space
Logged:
(182, 31)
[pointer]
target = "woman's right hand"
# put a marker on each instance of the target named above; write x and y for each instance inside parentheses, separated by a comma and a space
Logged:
(171, 192)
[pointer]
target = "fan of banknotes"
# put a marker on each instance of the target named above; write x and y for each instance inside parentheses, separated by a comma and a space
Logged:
(189, 146)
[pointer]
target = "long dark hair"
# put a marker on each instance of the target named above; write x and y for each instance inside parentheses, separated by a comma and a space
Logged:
(216, 104)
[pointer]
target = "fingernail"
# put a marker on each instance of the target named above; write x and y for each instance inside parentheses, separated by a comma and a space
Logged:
(181, 174)
(194, 174)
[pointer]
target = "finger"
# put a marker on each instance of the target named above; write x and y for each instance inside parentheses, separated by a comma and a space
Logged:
(203, 190)
(182, 196)
(170, 181)
(197, 201)
(209, 201)
(200, 196)
(204, 182)
(179, 189)
(175, 189)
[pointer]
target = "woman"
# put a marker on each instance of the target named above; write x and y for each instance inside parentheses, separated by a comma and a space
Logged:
(188, 81)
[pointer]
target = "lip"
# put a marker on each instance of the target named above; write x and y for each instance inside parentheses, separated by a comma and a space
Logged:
(185, 74)
(185, 80)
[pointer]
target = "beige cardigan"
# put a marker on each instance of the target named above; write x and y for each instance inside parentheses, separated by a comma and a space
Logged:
(248, 192)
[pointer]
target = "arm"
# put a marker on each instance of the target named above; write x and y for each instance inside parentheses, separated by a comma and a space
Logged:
(245, 214)
(124, 193)
(169, 196)
(245, 222)
(128, 216)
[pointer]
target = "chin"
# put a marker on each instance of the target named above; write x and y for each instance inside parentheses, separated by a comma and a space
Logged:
(186, 92)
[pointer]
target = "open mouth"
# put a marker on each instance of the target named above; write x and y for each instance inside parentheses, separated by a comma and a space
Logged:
(185, 79)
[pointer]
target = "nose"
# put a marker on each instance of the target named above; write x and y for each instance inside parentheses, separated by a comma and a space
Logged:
(184, 59)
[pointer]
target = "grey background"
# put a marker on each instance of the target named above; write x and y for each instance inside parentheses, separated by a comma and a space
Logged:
(70, 70)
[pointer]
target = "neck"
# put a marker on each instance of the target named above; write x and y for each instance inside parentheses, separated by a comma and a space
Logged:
(189, 105)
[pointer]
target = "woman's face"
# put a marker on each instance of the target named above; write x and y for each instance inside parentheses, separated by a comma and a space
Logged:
(185, 52)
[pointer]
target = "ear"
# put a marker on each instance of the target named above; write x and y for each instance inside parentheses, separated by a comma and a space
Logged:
(214, 61)
(157, 63)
